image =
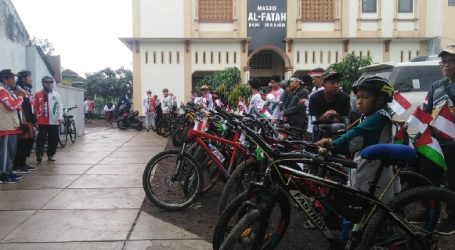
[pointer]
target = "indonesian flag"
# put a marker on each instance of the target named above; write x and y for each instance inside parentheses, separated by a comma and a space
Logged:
(399, 104)
(444, 122)
(420, 120)
(429, 147)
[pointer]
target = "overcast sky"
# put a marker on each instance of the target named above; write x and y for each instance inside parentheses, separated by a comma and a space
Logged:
(83, 32)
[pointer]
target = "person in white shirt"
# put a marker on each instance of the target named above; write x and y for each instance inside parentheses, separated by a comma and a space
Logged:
(273, 99)
(149, 104)
(256, 102)
(207, 100)
(166, 104)
(109, 109)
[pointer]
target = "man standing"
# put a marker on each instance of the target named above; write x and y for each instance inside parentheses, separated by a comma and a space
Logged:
(11, 99)
(330, 105)
(25, 140)
(49, 113)
(316, 77)
(273, 99)
(207, 100)
(149, 104)
(167, 102)
(294, 109)
(441, 92)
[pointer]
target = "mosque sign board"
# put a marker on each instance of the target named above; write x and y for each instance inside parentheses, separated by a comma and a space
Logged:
(266, 23)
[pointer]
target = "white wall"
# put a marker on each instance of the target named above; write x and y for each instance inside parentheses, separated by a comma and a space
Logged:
(162, 18)
(227, 51)
(397, 48)
(318, 26)
(302, 48)
(37, 66)
(12, 55)
(353, 11)
(73, 97)
(375, 49)
(158, 75)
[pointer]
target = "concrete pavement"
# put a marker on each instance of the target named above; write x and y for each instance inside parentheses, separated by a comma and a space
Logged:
(90, 198)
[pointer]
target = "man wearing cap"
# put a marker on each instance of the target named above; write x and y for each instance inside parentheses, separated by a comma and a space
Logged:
(167, 102)
(11, 99)
(207, 99)
(316, 77)
(294, 107)
(25, 140)
(49, 114)
(329, 105)
(441, 92)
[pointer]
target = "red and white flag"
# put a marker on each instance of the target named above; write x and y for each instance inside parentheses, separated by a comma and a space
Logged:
(419, 120)
(444, 122)
(399, 104)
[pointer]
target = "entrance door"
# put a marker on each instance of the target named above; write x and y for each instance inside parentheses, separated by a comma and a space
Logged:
(265, 64)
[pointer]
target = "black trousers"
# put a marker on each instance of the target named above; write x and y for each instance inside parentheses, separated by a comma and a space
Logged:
(24, 148)
(436, 173)
(51, 132)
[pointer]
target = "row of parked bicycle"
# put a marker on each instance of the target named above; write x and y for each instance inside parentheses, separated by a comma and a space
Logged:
(266, 168)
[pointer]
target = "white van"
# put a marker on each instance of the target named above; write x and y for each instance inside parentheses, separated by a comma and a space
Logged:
(411, 79)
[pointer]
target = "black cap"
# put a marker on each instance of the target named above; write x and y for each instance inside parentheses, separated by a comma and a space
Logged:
(331, 74)
(24, 73)
(6, 72)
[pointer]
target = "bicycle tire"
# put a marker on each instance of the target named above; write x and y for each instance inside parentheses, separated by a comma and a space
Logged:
(236, 184)
(190, 178)
(242, 226)
(62, 134)
(411, 179)
(73, 131)
(237, 208)
(415, 195)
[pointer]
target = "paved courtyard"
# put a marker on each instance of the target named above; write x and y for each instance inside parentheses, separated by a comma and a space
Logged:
(90, 198)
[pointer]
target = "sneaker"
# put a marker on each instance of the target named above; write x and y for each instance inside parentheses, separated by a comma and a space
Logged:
(30, 168)
(5, 179)
(50, 158)
(446, 227)
(22, 170)
(15, 176)
(39, 159)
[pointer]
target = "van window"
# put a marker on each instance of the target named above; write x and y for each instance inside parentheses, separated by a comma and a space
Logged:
(415, 78)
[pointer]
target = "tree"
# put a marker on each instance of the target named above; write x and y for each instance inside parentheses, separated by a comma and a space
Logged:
(350, 68)
(109, 84)
(44, 44)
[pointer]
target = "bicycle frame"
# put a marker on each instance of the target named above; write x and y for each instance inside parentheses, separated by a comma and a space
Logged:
(237, 147)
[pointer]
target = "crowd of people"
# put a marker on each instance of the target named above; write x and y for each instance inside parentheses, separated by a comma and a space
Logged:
(24, 116)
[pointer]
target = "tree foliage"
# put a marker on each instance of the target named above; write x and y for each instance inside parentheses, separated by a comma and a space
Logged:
(109, 84)
(227, 83)
(350, 68)
(44, 44)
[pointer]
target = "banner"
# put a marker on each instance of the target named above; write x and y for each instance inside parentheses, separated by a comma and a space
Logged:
(266, 23)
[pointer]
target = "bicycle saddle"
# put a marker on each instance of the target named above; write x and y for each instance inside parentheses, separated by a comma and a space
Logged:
(389, 152)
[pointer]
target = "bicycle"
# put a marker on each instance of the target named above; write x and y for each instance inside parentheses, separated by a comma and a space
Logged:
(186, 173)
(67, 127)
(252, 211)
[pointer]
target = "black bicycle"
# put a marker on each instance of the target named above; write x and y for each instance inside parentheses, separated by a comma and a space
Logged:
(258, 218)
(67, 128)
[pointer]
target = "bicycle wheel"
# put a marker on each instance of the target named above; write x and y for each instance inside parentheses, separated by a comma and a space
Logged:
(411, 179)
(420, 209)
(244, 173)
(72, 131)
(274, 226)
(171, 180)
(246, 233)
(62, 134)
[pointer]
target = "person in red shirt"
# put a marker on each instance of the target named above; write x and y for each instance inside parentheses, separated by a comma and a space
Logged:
(11, 98)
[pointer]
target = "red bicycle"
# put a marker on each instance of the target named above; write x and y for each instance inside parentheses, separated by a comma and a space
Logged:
(173, 179)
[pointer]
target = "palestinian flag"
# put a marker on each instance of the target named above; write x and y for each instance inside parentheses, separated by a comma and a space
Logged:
(429, 147)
